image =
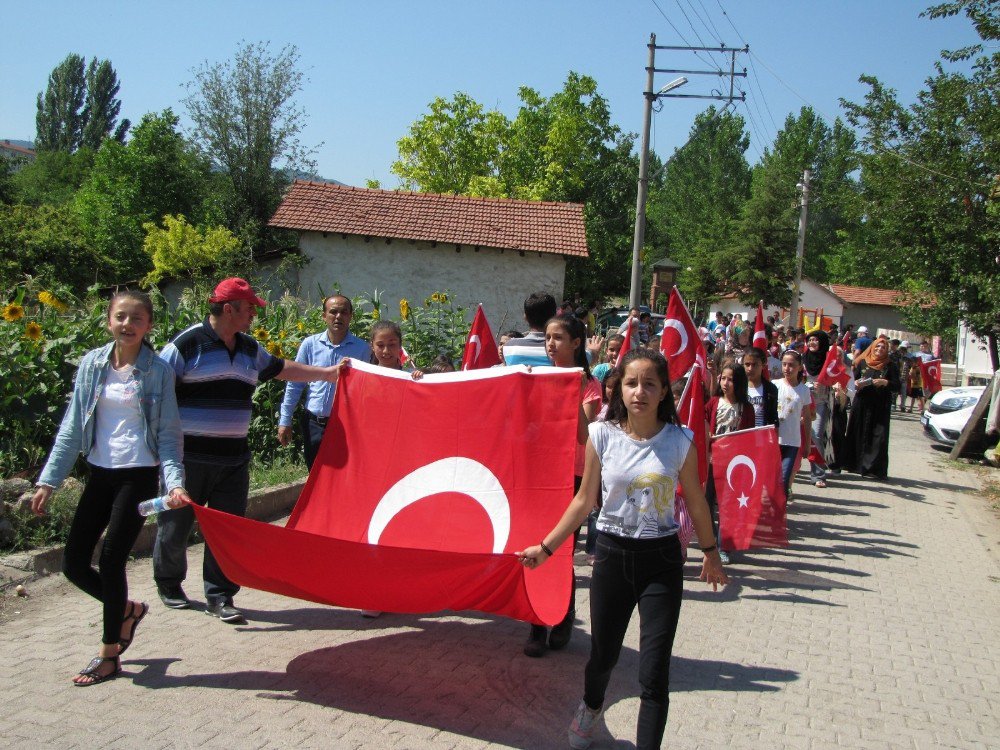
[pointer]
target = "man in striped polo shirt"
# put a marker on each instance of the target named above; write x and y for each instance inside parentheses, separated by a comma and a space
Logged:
(218, 366)
(530, 350)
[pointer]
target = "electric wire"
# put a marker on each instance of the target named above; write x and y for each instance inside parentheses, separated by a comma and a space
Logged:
(697, 35)
(678, 31)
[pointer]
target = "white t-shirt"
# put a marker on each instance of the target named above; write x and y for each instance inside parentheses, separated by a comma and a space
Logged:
(791, 402)
(119, 442)
(756, 397)
(639, 479)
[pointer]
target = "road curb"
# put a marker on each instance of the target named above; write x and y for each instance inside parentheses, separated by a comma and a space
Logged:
(263, 505)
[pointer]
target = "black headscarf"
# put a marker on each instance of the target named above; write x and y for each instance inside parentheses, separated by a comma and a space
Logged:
(813, 360)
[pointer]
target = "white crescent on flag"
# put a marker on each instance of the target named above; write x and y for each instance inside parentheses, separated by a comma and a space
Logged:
(741, 460)
(475, 480)
(932, 370)
(679, 327)
(474, 338)
(834, 369)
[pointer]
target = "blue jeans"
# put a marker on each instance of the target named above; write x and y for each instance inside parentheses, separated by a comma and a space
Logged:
(648, 573)
(222, 488)
(788, 454)
(817, 471)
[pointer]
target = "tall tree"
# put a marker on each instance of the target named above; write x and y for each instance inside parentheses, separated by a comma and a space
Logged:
(79, 107)
(59, 121)
(695, 204)
(764, 263)
(929, 177)
(246, 119)
(100, 114)
(158, 172)
(560, 148)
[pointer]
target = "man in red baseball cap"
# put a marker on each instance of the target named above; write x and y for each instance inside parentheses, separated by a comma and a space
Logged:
(218, 365)
(235, 289)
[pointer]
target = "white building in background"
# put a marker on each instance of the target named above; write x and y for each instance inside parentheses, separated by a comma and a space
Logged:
(411, 245)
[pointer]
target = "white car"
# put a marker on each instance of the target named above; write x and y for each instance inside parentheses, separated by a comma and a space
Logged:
(946, 414)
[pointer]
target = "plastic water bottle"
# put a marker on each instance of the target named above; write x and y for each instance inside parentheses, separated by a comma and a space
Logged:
(154, 505)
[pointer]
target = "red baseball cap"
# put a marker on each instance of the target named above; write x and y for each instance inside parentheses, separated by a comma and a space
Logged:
(230, 290)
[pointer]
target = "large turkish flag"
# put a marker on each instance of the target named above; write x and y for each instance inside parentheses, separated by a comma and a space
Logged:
(421, 493)
(747, 470)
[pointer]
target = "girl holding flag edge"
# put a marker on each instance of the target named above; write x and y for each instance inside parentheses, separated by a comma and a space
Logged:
(633, 463)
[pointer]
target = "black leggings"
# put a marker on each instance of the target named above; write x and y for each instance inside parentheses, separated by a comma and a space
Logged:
(630, 572)
(108, 502)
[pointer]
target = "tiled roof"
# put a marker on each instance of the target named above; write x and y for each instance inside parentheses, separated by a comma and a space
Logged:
(21, 150)
(490, 222)
(864, 295)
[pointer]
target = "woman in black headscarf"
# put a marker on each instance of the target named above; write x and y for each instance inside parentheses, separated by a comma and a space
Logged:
(817, 346)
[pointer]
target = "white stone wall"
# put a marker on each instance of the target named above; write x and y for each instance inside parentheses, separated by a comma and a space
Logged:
(499, 279)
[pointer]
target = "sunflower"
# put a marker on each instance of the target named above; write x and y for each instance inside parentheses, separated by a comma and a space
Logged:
(260, 333)
(13, 312)
(301, 326)
(404, 308)
(273, 348)
(33, 331)
(49, 299)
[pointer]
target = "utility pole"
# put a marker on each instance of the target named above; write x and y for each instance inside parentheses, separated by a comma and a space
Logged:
(800, 248)
(635, 290)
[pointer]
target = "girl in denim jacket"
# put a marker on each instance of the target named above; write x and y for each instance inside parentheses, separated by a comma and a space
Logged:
(123, 418)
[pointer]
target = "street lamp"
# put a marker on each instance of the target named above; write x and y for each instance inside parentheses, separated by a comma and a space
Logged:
(635, 290)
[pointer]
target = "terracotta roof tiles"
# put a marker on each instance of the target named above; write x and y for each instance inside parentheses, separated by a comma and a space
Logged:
(537, 226)
(864, 295)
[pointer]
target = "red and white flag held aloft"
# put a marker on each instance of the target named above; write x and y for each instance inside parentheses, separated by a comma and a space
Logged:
(930, 376)
(834, 369)
(746, 466)
(480, 348)
(759, 333)
(680, 342)
(691, 412)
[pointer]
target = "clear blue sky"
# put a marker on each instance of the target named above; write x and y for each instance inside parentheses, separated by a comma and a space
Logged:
(374, 67)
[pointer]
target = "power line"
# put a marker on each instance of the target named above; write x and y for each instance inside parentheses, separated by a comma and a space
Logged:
(696, 34)
(708, 15)
(683, 38)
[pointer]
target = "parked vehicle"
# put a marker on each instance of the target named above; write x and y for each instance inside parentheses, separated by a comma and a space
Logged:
(946, 414)
(609, 321)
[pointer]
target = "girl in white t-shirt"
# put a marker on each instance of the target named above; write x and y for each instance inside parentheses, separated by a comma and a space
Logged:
(794, 410)
(633, 462)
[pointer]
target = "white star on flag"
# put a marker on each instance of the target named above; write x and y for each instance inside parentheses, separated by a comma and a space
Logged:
(743, 500)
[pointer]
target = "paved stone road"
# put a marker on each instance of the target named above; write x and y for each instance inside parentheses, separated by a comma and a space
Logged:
(877, 628)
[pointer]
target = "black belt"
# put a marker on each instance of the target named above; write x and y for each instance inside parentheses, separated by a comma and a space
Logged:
(321, 421)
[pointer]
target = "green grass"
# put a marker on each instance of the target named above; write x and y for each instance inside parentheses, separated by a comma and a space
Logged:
(280, 472)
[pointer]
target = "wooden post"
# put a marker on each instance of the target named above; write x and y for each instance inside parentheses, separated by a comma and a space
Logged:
(974, 433)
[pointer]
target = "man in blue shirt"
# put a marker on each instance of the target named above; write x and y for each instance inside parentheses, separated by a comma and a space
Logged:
(322, 350)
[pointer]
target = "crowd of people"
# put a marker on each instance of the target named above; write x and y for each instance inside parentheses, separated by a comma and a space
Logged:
(178, 420)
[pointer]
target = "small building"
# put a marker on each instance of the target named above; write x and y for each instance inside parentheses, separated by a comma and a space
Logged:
(18, 153)
(409, 245)
(813, 297)
(879, 309)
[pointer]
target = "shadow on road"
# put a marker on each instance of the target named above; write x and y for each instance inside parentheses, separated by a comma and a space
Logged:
(451, 676)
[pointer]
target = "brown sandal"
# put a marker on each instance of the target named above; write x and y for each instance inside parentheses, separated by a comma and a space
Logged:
(136, 618)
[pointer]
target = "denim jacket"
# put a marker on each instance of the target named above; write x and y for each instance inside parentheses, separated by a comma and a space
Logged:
(160, 419)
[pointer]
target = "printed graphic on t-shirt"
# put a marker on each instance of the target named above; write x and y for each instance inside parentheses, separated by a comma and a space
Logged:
(756, 397)
(648, 498)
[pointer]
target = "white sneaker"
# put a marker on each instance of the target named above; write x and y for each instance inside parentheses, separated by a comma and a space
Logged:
(581, 730)
(370, 613)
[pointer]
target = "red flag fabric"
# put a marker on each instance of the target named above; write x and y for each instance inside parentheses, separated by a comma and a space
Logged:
(691, 412)
(627, 343)
(679, 341)
(930, 376)
(746, 466)
(834, 370)
(480, 348)
(404, 357)
(759, 333)
(420, 494)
